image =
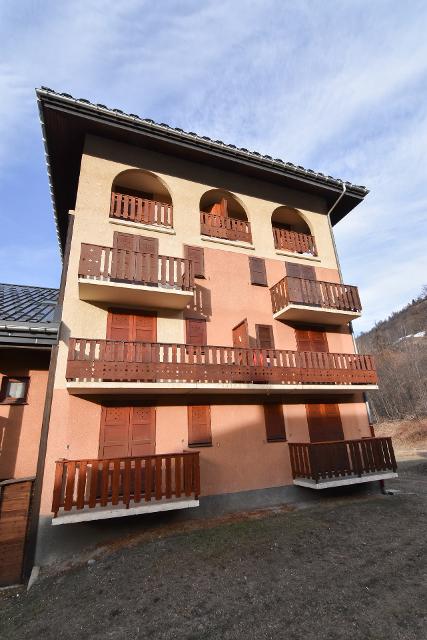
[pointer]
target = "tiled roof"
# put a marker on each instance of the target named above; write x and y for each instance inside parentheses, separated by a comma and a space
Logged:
(19, 303)
(207, 142)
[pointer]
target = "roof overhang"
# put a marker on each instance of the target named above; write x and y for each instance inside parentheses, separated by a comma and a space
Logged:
(67, 121)
(40, 334)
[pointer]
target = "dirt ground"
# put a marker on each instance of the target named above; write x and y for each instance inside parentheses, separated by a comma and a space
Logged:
(350, 567)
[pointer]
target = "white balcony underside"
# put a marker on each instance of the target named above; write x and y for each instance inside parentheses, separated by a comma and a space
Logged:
(305, 313)
(193, 388)
(119, 511)
(122, 293)
(329, 483)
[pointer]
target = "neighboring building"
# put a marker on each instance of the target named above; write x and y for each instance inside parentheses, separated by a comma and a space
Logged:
(205, 349)
(27, 334)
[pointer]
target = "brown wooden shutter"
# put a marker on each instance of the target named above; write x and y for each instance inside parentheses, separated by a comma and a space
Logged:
(142, 434)
(257, 271)
(324, 422)
(119, 325)
(199, 426)
(114, 433)
(148, 245)
(274, 422)
(196, 254)
(264, 335)
(145, 328)
(196, 332)
(126, 241)
(311, 340)
(241, 335)
(294, 270)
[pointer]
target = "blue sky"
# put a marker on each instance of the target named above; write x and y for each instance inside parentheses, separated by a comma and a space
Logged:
(339, 87)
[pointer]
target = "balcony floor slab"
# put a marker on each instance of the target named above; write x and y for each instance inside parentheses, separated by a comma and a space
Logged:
(328, 483)
(123, 293)
(120, 511)
(194, 388)
(320, 315)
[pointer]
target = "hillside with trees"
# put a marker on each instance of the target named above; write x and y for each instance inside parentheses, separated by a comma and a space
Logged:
(399, 345)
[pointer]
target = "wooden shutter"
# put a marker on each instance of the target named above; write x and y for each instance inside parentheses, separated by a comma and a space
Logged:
(196, 254)
(142, 431)
(196, 332)
(274, 422)
(145, 328)
(324, 422)
(119, 325)
(199, 426)
(257, 271)
(126, 241)
(148, 245)
(220, 208)
(114, 433)
(294, 270)
(311, 340)
(264, 335)
(241, 335)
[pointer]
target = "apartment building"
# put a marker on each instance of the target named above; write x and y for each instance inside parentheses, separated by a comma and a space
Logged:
(205, 357)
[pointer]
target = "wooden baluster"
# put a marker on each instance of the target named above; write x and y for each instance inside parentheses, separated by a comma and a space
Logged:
(126, 482)
(105, 480)
(94, 468)
(148, 479)
(178, 485)
(115, 483)
(168, 473)
(69, 486)
(81, 484)
(58, 498)
(187, 478)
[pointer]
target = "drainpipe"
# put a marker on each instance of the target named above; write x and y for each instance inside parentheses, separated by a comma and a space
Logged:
(342, 194)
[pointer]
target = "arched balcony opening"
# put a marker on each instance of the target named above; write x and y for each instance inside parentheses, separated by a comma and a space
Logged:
(222, 216)
(141, 197)
(291, 232)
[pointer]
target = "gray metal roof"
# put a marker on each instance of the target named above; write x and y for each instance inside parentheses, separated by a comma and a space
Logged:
(27, 316)
(22, 303)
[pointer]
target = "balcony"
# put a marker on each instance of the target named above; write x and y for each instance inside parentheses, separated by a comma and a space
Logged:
(225, 228)
(99, 489)
(141, 211)
(332, 464)
(300, 300)
(119, 276)
(115, 367)
(293, 241)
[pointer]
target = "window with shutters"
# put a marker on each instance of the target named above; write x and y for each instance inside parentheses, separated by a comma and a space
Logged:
(134, 242)
(257, 271)
(309, 339)
(294, 270)
(14, 390)
(131, 326)
(196, 254)
(196, 334)
(264, 335)
(274, 423)
(199, 426)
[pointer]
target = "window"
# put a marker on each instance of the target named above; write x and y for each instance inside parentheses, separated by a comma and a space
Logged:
(14, 390)
(264, 336)
(199, 426)
(274, 422)
(257, 271)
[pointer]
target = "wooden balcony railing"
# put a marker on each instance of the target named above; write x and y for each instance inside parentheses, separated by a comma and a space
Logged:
(105, 263)
(108, 360)
(119, 481)
(225, 227)
(293, 241)
(141, 210)
(323, 460)
(315, 293)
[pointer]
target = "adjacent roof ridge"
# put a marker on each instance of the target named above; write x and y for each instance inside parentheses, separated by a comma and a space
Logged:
(206, 141)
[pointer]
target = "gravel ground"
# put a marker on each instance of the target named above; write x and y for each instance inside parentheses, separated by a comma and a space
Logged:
(346, 568)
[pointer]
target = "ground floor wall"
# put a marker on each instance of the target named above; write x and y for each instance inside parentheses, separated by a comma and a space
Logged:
(240, 460)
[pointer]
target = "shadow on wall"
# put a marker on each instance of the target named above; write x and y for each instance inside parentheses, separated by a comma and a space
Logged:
(10, 433)
(201, 306)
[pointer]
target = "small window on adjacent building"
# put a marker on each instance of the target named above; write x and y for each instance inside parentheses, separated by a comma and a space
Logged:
(14, 390)
(274, 422)
(199, 426)
(257, 271)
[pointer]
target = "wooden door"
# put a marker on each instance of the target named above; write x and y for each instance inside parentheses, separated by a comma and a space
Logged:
(241, 335)
(324, 422)
(131, 326)
(127, 431)
(311, 340)
(142, 433)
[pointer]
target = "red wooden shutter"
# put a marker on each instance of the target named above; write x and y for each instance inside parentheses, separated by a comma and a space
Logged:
(199, 426)
(324, 422)
(196, 332)
(265, 337)
(196, 254)
(145, 328)
(119, 325)
(148, 245)
(311, 340)
(241, 335)
(142, 431)
(114, 433)
(220, 208)
(257, 271)
(126, 241)
(274, 422)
